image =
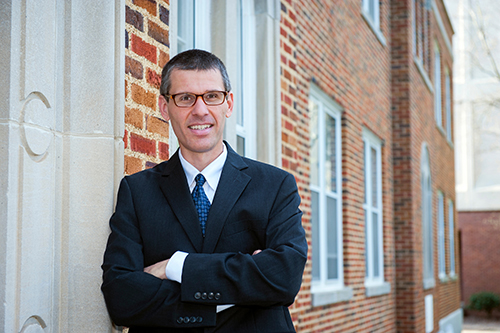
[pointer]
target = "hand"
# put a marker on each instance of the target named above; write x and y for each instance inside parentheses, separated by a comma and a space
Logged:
(158, 269)
(256, 252)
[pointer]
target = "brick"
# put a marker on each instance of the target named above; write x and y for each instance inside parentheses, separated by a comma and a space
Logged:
(132, 165)
(143, 97)
(158, 33)
(153, 78)
(164, 58)
(149, 5)
(134, 68)
(134, 18)
(143, 49)
(157, 125)
(134, 117)
(142, 145)
(164, 15)
(163, 151)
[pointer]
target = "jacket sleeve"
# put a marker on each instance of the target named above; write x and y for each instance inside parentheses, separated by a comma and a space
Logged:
(136, 298)
(272, 277)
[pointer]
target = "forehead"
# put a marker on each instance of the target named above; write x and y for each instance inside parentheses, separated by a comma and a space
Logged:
(195, 81)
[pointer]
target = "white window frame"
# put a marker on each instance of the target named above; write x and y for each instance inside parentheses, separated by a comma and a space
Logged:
(447, 89)
(414, 26)
(371, 12)
(427, 225)
(451, 232)
(324, 290)
(246, 112)
(438, 111)
(374, 285)
(441, 236)
(197, 24)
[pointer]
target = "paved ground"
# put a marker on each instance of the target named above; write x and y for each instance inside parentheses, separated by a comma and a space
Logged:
(480, 325)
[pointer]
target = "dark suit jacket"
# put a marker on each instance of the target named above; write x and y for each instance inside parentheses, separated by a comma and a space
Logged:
(255, 207)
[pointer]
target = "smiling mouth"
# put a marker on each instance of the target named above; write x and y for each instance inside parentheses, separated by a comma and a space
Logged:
(200, 127)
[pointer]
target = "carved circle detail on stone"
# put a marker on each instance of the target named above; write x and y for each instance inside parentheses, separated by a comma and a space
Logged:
(33, 324)
(36, 126)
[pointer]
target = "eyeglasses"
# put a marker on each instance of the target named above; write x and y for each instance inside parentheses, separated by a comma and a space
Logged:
(186, 100)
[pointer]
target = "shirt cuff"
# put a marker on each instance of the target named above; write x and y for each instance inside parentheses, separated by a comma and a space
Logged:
(175, 265)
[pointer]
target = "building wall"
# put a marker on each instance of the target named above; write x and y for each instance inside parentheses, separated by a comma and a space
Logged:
(146, 52)
(326, 44)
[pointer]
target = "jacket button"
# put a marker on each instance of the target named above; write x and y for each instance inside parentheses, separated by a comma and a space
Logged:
(180, 320)
(211, 296)
(217, 296)
(197, 295)
(192, 319)
(204, 296)
(199, 319)
(186, 319)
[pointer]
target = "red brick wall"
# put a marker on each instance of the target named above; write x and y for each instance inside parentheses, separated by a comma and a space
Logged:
(414, 125)
(328, 43)
(146, 52)
(480, 250)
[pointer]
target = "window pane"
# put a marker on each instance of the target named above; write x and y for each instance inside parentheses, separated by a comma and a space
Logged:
(330, 158)
(315, 235)
(314, 153)
(452, 238)
(373, 161)
(240, 145)
(331, 209)
(375, 242)
(367, 245)
(364, 173)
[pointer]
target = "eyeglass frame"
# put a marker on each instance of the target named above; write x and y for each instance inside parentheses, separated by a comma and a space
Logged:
(172, 97)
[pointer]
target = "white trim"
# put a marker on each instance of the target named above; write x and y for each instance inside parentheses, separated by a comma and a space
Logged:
(326, 107)
(441, 237)
(371, 141)
(447, 96)
(429, 313)
(427, 225)
(374, 22)
(442, 29)
(451, 235)
(438, 98)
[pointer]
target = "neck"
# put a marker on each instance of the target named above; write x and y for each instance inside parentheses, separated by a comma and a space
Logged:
(201, 160)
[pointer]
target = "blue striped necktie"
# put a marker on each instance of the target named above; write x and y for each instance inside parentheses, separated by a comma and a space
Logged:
(201, 202)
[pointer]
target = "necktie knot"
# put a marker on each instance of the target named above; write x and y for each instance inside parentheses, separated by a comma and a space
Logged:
(200, 180)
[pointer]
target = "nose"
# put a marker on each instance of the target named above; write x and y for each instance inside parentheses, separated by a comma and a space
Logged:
(199, 106)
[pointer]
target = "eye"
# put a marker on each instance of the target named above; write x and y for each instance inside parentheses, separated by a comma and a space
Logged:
(213, 95)
(184, 97)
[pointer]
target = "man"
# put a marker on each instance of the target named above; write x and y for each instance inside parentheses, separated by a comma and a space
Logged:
(168, 267)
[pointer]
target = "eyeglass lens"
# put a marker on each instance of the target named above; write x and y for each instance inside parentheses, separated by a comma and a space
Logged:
(210, 98)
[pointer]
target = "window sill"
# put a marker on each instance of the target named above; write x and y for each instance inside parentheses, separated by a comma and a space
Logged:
(375, 30)
(423, 73)
(342, 294)
(382, 288)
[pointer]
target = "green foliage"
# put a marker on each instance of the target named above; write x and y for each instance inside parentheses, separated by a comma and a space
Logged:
(484, 301)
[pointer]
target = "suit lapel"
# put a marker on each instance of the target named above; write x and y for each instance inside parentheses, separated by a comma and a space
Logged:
(231, 184)
(175, 188)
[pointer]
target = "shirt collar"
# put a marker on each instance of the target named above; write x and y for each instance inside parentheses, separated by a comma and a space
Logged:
(212, 172)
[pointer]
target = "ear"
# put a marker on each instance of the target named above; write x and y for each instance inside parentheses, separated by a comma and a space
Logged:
(230, 104)
(163, 106)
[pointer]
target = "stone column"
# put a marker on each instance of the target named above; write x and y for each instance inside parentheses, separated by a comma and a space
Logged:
(61, 157)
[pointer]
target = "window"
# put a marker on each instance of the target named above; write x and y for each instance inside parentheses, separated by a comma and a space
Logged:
(427, 242)
(441, 237)
(371, 13)
(246, 95)
(447, 92)
(451, 230)
(437, 87)
(371, 9)
(372, 206)
(326, 197)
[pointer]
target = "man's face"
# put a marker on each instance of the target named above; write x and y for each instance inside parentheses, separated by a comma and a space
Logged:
(198, 128)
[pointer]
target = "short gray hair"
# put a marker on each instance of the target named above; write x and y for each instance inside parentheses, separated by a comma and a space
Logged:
(193, 60)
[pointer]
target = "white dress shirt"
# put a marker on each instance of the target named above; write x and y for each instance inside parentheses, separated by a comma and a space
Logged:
(212, 175)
